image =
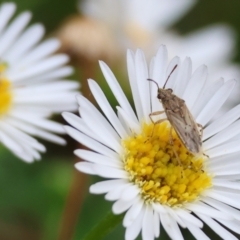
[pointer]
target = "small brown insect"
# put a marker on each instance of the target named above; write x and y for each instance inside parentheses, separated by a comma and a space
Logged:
(180, 118)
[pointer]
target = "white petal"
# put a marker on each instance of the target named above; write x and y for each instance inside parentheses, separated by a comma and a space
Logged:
(222, 232)
(134, 127)
(175, 216)
(106, 108)
(223, 161)
(38, 132)
(227, 184)
(59, 86)
(209, 89)
(9, 142)
(42, 123)
(117, 91)
(195, 86)
(158, 75)
(6, 12)
(220, 47)
(25, 156)
(223, 198)
(130, 193)
(115, 193)
(55, 74)
(223, 207)
(85, 167)
(133, 84)
(216, 102)
(45, 65)
(160, 65)
(133, 212)
(49, 136)
(233, 225)
(225, 148)
(28, 39)
(21, 125)
(110, 172)
(172, 73)
(183, 77)
(41, 51)
(223, 136)
(156, 224)
(47, 99)
(90, 143)
(98, 158)
(22, 137)
(100, 129)
(141, 72)
(189, 217)
(133, 230)
(90, 108)
(159, 208)
(196, 232)
(13, 30)
(121, 206)
(227, 191)
(124, 124)
(222, 122)
(232, 177)
(171, 227)
(207, 210)
(106, 186)
(79, 124)
(147, 225)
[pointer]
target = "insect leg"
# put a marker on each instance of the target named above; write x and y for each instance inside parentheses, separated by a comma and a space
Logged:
(157, 122)
(201, 129)
(154, 114)
(171, 142)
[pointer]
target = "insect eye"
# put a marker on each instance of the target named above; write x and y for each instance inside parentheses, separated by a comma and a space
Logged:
(158, 96)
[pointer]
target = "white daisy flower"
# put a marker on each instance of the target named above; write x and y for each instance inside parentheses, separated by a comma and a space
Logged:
(147, 25)
(144, 177)
(32, 87)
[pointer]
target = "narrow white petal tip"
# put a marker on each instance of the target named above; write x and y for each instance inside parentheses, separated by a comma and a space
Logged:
(63, 142)
(27, 159)
(90, 80)
(79, 98)
(67, 129)
(57, 42)
(65, 115)
(115, 210)
(9, 5)
(84, 167)
(76, 152)
(92, 189)
(162, 47)
(27, 14)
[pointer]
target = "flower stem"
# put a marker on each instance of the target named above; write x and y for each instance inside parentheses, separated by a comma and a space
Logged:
(104, 227)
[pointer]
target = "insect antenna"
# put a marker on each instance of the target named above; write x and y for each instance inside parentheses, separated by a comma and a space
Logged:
(169, 75)
(150, 80)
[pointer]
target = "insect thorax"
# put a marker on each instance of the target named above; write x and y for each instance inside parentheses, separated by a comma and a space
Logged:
(168, 99)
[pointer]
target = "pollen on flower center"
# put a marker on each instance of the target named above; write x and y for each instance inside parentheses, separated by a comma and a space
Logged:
(5, 91)
(154, 167)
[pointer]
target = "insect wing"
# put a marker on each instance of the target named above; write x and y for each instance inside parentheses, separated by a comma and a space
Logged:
(186, 128)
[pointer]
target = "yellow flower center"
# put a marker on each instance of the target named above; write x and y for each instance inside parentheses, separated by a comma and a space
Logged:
(5, 91)
(163, 176)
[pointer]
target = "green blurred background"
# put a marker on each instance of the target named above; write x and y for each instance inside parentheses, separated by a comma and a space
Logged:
(33, 197)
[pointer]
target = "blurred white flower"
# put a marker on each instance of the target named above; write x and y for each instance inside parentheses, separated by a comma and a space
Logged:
(144, 176)
(32, 87)
(146, 25)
